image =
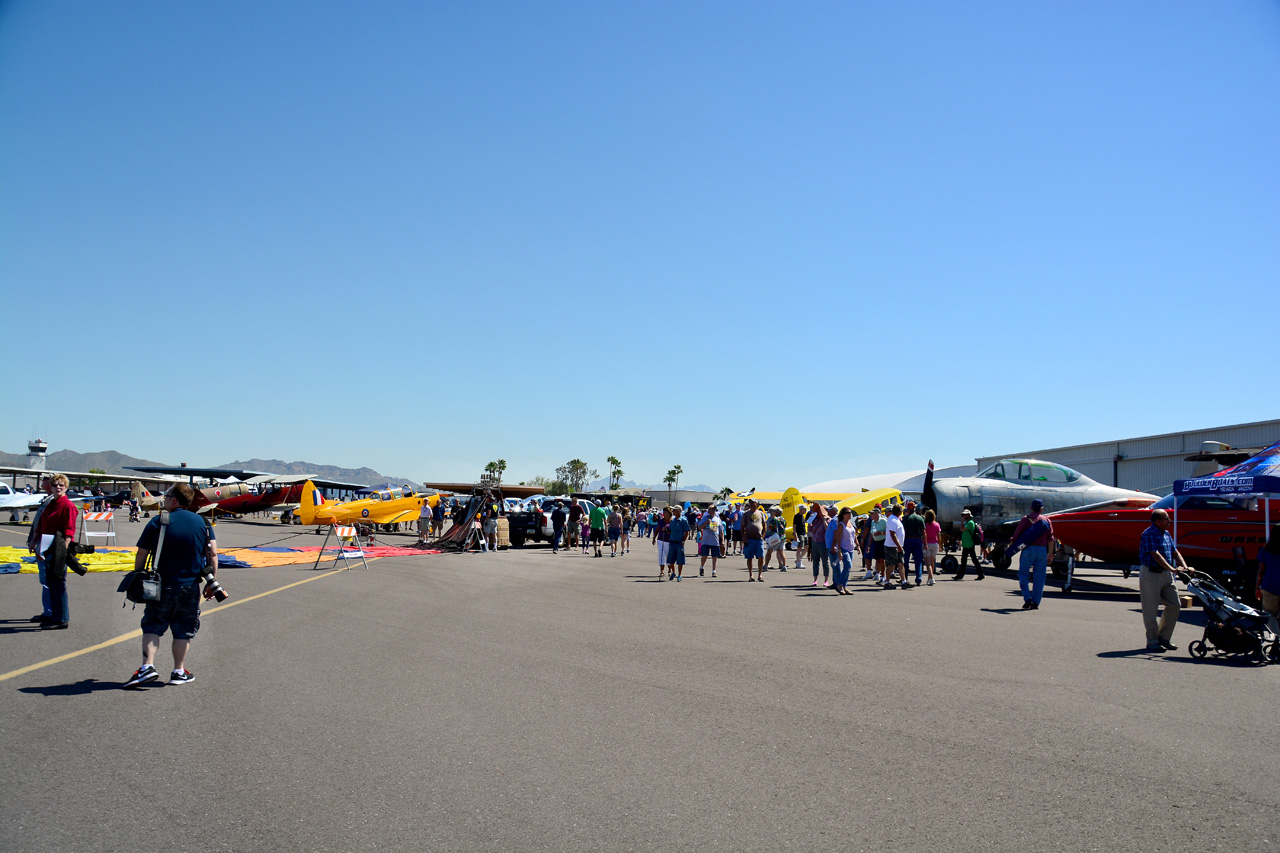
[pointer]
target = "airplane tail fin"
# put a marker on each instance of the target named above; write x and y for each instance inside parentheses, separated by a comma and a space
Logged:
(927, 494)
(138, 491)
(311, 498)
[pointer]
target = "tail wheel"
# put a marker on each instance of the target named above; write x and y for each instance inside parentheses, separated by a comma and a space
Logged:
(949, 564)
(1000, 559)
(1198, 649)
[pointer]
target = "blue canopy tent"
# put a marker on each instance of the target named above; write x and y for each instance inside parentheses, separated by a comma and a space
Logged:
(1257, 476)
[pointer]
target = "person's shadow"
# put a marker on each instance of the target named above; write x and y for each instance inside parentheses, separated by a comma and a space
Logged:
(79, 688)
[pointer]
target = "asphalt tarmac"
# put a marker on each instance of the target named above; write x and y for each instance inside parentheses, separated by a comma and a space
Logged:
(526, 700)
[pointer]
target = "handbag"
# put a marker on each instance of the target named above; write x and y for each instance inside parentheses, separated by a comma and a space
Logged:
(141, 586)
(774, 541)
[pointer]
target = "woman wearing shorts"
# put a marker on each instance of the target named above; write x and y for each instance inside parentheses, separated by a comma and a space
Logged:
(932, 539)
(615, 531)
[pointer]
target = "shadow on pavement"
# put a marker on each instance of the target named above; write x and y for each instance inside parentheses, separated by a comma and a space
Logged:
(79, 688)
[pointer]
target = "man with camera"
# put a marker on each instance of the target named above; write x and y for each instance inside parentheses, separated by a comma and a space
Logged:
(185, 551)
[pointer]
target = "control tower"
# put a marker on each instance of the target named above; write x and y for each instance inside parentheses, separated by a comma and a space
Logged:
(36, 450)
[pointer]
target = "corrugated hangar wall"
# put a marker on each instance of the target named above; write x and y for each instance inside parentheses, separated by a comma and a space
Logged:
(1150, 463)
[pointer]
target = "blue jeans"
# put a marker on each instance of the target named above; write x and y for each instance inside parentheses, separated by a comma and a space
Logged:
(44, 589)
(914, 547)
(556, 534)
(840, 571)
(1032, 563)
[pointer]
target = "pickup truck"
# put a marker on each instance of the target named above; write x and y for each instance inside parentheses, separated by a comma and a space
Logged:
(533, 524)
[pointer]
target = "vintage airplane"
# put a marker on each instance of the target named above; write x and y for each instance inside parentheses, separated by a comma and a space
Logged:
(1003, 492)
(16, 502)
(384, 507)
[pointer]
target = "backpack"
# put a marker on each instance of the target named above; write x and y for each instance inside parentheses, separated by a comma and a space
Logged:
(977, 533)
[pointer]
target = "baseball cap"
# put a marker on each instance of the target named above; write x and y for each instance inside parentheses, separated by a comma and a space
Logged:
(1037, 505)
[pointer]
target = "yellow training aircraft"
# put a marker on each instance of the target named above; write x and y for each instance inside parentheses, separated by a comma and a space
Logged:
(385, 507)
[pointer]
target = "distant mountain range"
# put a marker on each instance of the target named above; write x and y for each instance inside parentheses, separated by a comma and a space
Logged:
(115, 463)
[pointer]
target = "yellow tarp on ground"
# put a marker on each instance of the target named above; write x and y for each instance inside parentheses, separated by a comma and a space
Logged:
(119, 560)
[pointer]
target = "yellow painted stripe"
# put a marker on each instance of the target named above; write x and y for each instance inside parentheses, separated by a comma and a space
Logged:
(132, 635)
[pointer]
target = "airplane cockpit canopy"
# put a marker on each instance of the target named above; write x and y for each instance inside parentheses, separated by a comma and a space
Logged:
(1030, 471)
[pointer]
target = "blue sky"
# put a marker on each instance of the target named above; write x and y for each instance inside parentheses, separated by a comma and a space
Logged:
(773, 243)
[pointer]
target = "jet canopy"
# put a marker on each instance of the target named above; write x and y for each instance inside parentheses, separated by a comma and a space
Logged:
(1030, 471)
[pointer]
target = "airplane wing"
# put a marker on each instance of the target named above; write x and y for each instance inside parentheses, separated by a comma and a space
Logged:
(467, 488)
(75, 475)
(182, 471)
(17, 502)
(393, 516)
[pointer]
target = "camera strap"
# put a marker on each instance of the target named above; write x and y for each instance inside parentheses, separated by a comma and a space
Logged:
(164, 525)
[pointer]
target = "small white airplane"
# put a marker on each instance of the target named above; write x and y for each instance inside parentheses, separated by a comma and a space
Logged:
(18, 502)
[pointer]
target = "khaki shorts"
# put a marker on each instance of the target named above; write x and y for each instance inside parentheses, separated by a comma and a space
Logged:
(1271, 603)
(932, 549)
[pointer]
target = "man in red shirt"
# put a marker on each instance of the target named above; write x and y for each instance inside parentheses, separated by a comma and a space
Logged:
(59, 521)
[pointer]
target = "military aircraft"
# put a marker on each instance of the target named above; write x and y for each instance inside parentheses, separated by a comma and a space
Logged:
(383, 507)
(1003, 492)
(204, 501)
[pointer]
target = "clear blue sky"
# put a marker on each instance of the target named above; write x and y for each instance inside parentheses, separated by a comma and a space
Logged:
(842, 237)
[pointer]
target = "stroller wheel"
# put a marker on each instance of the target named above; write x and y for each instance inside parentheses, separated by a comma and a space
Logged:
(1257, 655)
(1274, 652)
(1198, 649)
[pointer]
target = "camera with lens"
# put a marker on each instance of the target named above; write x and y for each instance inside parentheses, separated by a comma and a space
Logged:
(211, 585)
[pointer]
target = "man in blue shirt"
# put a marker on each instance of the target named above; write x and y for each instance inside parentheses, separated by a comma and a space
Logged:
(1159, 557)
(677, 532)
(188, 552)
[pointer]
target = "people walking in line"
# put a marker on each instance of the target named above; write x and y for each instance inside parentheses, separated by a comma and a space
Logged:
(1158, 557)
(843, 543)
(559, 518)
(614, 522)
(677, 532)
(800, 535)
(895, 538)
(819, 552)
(878, 527)
(711, 528)
(932, 543)
(1033, 537)
(753, 522)
(659, 535)
(970, 538)
(775, 539)
(913, 547)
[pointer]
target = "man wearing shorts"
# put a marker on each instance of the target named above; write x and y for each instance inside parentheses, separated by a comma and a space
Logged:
(895, 538)
(712, 528)
(753, 522)
(596, 522)
(735, 522)
(189, 551)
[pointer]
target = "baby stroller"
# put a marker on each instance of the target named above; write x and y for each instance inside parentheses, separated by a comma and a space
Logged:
(1234, 628)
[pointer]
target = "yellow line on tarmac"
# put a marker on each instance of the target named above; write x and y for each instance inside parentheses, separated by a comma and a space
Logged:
(138, 633)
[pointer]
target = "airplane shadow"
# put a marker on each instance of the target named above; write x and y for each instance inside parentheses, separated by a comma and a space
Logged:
(79, 688)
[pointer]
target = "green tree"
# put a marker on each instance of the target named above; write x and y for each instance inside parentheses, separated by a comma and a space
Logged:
(575, 474)
(615, 472)
(495, 468)
(725, 492)
(96, 471)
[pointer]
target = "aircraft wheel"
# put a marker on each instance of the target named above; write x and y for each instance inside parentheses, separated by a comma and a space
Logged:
(1059, 570)
(1198, 649)
(949, 564)
(1000, 559)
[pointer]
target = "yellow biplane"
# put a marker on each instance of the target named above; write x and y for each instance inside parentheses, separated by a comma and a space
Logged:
(385, 507)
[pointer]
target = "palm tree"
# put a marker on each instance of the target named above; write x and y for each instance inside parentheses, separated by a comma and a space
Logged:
(615, 472)
(670, 479)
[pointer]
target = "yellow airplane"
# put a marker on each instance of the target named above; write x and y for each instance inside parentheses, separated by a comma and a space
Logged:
(860, 502)
(385, 507)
